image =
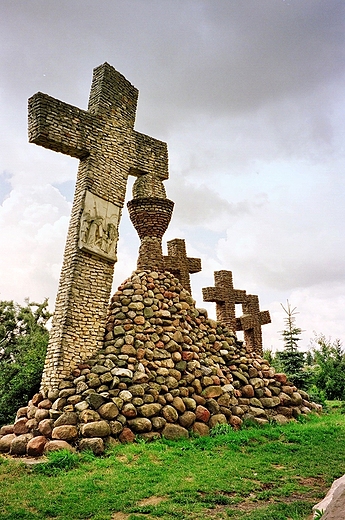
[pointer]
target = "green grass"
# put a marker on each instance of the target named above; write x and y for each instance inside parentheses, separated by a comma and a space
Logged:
(270, 473)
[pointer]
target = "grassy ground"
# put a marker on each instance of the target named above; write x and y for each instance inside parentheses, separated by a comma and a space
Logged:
(270, 473)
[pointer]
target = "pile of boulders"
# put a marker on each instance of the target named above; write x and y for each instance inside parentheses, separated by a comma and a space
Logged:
(166, 369)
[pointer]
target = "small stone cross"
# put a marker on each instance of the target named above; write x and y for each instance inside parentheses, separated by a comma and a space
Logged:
(179, 264)
(225, 296)
(109, 149)
(251, 323)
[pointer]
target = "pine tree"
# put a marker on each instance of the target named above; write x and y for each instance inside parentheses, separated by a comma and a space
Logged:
(291, 334)
(291, 358)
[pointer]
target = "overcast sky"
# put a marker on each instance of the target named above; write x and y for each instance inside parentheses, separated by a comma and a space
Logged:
(250, 97)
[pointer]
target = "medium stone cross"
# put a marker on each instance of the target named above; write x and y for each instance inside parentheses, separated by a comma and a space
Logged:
(225, 296)
(179, 264)
(251, 323)
(109, 149)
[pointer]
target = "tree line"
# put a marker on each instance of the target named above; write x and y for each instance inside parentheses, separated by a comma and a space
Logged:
(320, 370)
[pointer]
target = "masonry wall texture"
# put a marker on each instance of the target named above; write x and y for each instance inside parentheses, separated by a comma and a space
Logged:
(109, 150)
(165, 368)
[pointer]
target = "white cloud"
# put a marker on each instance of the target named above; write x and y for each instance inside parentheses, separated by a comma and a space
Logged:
(33, 224)
(249, 97)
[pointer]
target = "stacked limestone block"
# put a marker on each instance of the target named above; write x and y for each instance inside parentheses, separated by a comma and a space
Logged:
(165, 370)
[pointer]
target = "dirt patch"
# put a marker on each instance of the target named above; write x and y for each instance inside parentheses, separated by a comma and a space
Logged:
(312, 481)
(151, 501)
(119, 516)
(127, 460)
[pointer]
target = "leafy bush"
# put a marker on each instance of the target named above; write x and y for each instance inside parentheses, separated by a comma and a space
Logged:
(329, 367)
(23, 345)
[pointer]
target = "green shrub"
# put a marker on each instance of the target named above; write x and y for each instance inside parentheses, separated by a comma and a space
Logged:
(220, 429)
(61, 460)
(23, 345)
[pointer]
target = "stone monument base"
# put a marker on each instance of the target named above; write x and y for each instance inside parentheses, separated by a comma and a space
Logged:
(166, 369)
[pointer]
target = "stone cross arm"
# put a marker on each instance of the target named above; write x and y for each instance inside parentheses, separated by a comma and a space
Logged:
(225, 297)
(149, 155)
(178, 263)
(65, 128)
(59, 126)
(220, 294)
(248, 321)
(194, 265)
(251, 321)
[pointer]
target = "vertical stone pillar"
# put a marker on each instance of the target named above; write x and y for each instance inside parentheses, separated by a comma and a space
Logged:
(151, 218)
(109, 149)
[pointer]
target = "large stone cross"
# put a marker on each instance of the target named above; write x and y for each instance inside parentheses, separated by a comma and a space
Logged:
(225, 296)
(109, 149)
(179, 264)
(251, 323)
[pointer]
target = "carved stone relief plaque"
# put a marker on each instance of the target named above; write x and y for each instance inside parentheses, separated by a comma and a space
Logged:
(99, 227)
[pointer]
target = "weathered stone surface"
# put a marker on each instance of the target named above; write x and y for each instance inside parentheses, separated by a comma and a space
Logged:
(187, 419)
(296, 399)
(6, 429)
(280, 419)
(235, 422)
(140, 425)
(87, 416)
(59, 403)
(212, 391)
(281, 378)
(270, 402)
(65, 433)
(96, 429)
(200, 429)
(41, 413)
(45, 427)
(20, 426)
(149, 410)
(22, 412)
(37, 398)
(19, 444)
(218, 418)
(126, 435)
(32, 424)
(82, 405)
(57, 445)
(46, 404)
(170, 414)
(174, 431)
(256, 382)
(95, 400)
(108, 411)
(35, 446)
(158, 422)
(67, 418)
(129, 410)
(202, 414)
(96, 445)
(179, 405)
(5, 442)
(247, 391)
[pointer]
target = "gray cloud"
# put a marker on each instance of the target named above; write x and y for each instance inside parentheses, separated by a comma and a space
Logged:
(249, 96)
